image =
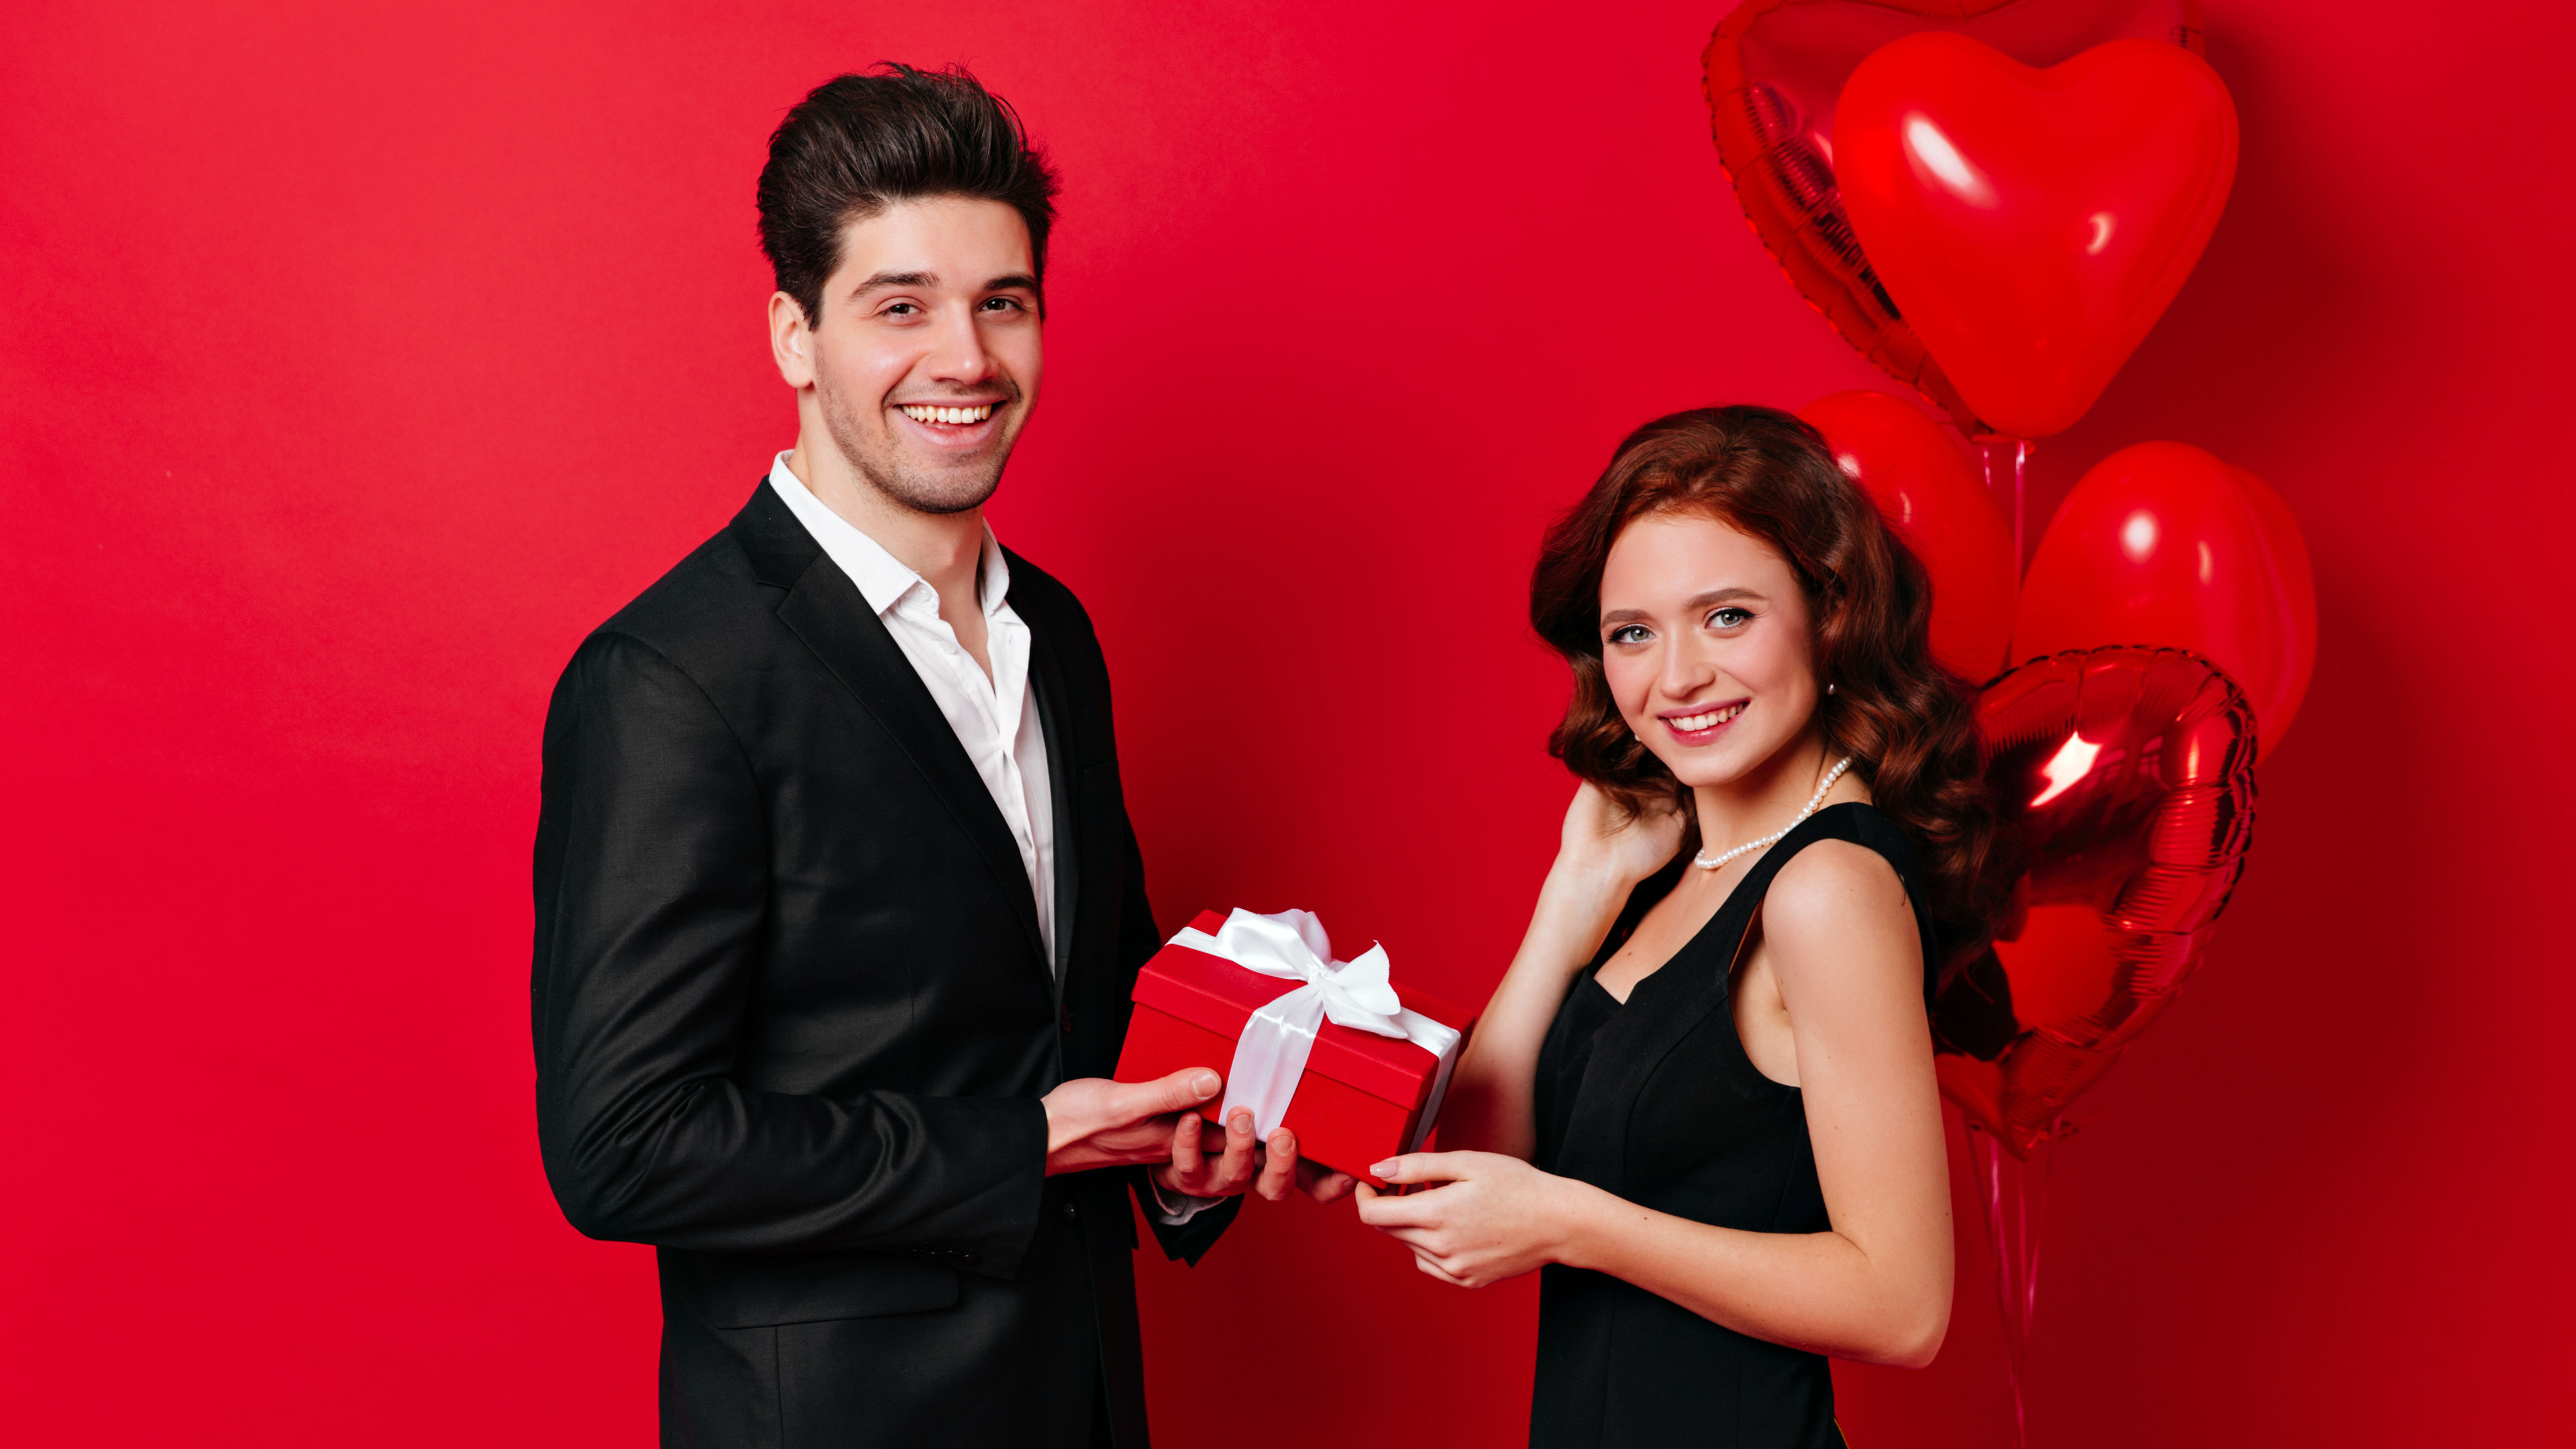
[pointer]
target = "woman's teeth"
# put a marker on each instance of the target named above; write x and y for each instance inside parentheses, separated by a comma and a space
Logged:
(1693, 723)
(921, 414)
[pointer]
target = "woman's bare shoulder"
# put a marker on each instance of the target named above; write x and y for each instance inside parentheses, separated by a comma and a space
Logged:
(1833, 897)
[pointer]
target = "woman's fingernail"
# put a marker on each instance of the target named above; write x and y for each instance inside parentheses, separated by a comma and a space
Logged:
(1383, 1170)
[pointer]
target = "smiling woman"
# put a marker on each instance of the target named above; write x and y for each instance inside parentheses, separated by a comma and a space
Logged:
(1704, 1091)
(1821, 546)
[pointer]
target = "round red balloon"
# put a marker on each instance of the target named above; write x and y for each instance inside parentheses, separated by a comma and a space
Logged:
(1924, 487)
(2162, 543)
(2031, 224)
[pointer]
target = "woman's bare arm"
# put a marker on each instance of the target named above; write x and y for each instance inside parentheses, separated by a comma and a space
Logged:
(1841, 941)
(1490, 1106)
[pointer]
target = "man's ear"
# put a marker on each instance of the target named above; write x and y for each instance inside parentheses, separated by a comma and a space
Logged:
(791, 340)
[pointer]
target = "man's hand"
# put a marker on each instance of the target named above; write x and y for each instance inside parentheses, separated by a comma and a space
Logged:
(1271, 1169)
(1095, 1122)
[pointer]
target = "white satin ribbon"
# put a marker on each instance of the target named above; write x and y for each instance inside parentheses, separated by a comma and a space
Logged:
(1270, 1054)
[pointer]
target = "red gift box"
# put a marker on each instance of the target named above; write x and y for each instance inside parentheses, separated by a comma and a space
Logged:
(1362, 1095)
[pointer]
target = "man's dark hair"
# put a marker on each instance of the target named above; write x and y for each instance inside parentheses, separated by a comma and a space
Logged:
(860, 143)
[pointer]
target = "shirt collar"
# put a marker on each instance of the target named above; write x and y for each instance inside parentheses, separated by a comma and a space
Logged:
(882, 579)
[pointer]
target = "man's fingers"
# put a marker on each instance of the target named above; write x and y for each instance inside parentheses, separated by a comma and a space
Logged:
(1323, 1186)
(1185, 1143)
(1235, 1168)
(1278, 1165)
(1179, 1092)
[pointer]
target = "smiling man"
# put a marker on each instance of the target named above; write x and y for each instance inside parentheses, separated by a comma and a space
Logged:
(838, 907)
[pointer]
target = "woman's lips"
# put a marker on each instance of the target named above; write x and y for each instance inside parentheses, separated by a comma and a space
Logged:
(1698, 724)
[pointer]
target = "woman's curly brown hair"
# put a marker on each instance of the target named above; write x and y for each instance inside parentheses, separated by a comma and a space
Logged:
(1906, 722)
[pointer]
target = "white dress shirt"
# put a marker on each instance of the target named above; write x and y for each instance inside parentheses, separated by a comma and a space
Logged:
(990, 714)
(993, 716)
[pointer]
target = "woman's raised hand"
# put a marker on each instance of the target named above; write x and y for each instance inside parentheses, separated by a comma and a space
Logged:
(1604, 853)
(1605, 844)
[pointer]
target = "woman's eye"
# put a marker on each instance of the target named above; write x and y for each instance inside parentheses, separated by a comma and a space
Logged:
(1730, 618)
(1629, 634)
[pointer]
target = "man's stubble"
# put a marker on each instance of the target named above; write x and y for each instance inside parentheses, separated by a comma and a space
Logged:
(897, 477)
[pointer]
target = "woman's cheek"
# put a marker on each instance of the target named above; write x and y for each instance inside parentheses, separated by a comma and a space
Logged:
(1628, 682)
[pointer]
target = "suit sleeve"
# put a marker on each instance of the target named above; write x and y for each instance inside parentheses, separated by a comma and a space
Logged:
(1138, 939)
(651, 889)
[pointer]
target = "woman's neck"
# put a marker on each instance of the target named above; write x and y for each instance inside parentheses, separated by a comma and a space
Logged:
(1763, 800)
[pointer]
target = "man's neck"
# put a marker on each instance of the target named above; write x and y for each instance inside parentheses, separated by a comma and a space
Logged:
(944, 548)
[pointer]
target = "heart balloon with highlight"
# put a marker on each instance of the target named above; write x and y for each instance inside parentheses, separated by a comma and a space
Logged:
(1934, 501)
(1774, 74)
(2161, 543)
(2130, 773)
(2033, 224)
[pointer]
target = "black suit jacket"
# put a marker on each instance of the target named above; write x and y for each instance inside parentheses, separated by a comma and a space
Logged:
(793, 1014)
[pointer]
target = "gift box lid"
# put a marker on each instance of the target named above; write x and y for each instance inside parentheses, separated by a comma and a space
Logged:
(1218, 995)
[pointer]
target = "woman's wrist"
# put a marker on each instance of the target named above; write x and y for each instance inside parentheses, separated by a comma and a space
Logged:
(1583, 1216)
(1577, 903)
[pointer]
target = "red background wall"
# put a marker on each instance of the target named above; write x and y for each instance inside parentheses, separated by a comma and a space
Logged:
(355, 364)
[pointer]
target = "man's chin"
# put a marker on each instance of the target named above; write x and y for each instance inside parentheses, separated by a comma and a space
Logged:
(927, 485)
(942, 503)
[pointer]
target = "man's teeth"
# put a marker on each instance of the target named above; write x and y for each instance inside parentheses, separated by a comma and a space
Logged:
(1710, 720)
(921, 414)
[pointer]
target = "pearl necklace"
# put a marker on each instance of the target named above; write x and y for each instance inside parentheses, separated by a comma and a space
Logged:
(1703, 862)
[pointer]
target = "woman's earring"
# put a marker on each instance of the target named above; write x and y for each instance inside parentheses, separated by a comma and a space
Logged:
(1829, 689)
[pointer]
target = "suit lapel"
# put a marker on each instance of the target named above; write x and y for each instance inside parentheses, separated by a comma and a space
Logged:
(1046, 682)
(827, 612)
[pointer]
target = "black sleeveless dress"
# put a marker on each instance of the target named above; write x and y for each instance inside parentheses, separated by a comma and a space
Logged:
(1656, 1102)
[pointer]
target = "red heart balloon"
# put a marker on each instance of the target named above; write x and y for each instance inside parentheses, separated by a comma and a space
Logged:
(2130, 772)
(2033, 224)
(2161, 543)
(1927, 492)
(1773, 71)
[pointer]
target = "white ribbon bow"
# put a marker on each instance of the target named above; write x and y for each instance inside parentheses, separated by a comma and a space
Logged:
(1270, 1054)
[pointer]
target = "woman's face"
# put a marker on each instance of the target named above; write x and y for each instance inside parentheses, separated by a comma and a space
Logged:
(1708, 646)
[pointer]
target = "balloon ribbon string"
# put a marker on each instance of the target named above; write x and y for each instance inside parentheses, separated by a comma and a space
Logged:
(2021, 468)
(2012, 1238)
(2020, 492)
(1988, 1156)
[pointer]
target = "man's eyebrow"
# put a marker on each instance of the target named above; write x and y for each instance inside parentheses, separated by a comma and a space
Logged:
(1014, 282)
(896, 279)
